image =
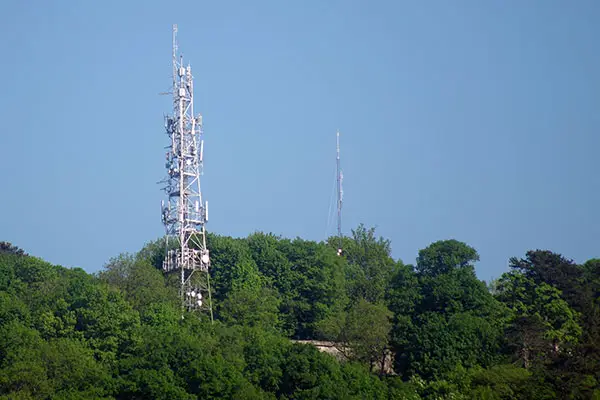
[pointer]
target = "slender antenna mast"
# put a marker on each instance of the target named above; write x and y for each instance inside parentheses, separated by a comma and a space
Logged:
(185, 214)
(340, 195)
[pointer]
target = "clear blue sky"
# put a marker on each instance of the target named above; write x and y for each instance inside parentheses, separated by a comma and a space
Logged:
(471, 120)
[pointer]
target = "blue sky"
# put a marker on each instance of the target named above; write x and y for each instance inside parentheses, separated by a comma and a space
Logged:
(466, 119)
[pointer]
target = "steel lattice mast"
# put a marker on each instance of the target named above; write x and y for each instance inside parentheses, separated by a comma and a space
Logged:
(184, 213)
(340, 194)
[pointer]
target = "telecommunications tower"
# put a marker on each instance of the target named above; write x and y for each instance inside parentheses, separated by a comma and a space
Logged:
(340, 195)
(184, 213)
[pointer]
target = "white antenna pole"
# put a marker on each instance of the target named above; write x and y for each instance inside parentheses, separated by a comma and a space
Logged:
(339, 194)
(174, 56)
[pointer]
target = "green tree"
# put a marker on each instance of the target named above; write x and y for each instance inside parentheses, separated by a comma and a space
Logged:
(502, 382)
(271, 261)
(22, 371)
(362, 333)
(370, 265)
(403, 296)
(154, 252)
(232, 266)
(452, 320)
(444, 256)
(140, 282)
(318, 282)
(308, 374)
(264, 355)
(252, 308)
(543, 266)
(542, 319)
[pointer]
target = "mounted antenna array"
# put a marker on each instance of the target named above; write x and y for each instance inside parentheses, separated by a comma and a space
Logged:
(340, 195)
(184, 213)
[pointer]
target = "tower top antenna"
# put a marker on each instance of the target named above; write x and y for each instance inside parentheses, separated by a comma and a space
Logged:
(174, 38)
(340, 193)
(174, 56)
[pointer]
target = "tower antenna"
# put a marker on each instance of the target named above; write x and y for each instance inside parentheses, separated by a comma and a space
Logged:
(184, 214)
(340, 195)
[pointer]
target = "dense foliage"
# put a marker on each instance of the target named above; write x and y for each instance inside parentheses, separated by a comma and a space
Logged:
(428, 331)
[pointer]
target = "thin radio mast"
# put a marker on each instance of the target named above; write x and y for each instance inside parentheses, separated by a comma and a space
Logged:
(340, 194)
(184, 214)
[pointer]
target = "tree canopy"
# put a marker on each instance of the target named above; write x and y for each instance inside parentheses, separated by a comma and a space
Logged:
(431, 330)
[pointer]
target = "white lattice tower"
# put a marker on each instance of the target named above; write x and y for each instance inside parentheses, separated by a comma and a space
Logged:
(184, 213)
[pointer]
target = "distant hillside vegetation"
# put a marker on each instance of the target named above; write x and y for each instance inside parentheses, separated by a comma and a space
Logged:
(532, 334)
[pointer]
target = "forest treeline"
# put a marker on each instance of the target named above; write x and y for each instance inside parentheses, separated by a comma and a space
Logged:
(534, 333)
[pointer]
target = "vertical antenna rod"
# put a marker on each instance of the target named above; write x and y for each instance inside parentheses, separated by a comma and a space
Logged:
(340, 195)
(185, 214)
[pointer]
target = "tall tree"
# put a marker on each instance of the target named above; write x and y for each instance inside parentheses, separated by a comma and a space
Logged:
(543, 266)
(251, 307)
(318, 282)
(444, 256)
(542, 320)
(232, 266)
(452, 320)
(362, 333)
(141, 283)
(370, 265)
